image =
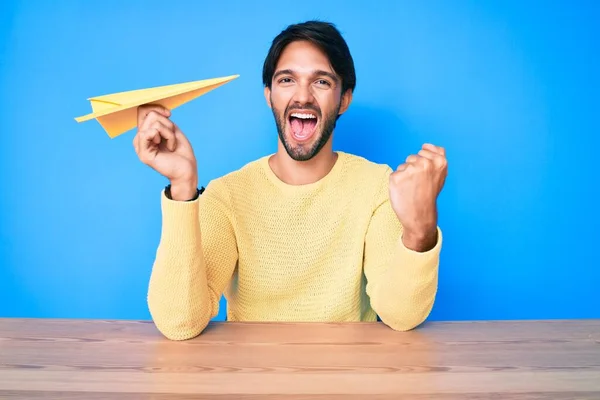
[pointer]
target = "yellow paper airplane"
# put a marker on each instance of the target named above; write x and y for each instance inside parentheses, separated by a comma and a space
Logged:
(117, 112)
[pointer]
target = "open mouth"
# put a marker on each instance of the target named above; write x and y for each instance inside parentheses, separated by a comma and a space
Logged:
(303, 125)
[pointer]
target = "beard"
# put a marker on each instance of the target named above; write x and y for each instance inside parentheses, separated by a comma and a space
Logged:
(306, 151)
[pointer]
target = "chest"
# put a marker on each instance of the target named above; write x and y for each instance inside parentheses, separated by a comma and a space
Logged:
(301, 247)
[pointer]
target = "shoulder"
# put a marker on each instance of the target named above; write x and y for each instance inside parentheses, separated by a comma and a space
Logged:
(243, 177)
(370, 177)
(245, 174)
(362, 169)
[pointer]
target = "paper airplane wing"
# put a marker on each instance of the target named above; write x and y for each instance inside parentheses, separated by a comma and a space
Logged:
(117, 112)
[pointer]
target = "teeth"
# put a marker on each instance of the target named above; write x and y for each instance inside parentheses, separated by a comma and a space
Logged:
(303, 116)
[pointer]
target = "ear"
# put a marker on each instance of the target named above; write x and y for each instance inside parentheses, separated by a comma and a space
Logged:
(346, 100)
(268, 96)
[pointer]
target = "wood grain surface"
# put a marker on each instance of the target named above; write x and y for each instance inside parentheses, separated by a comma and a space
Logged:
(98, 359)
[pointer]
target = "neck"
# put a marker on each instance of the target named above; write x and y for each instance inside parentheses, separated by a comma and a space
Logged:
(295, 172)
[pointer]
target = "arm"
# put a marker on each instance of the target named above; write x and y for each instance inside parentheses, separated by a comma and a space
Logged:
(401, 282)
(195, 260)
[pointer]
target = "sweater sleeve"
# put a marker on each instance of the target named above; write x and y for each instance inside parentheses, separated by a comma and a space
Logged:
(401, 283)
(194, 262)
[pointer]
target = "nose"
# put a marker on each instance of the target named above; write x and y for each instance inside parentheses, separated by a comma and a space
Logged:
(303, 94)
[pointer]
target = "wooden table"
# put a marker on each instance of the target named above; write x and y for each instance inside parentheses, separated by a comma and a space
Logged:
(68, 359)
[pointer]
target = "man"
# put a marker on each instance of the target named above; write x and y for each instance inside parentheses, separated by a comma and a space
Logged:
(305, 234)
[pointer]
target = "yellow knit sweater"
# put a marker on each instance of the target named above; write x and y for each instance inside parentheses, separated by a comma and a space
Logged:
(326, 251)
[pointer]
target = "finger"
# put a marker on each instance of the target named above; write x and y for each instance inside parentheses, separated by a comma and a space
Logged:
(167, 135)
(155, 134)
(146, 139)
(436, 149)
(429, 154)
(402, 167)
(157, 139)
(170, 139)
(438, 160)
(411, 158)
(418, 161)
(144, 110)
(145, 145)
(180, 137)
(425, 163)
(154, 116)
(136, 143)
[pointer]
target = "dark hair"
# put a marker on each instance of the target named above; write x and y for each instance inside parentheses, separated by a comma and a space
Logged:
(325, 36)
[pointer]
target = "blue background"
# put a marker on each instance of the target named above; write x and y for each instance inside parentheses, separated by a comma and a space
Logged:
(510, 89)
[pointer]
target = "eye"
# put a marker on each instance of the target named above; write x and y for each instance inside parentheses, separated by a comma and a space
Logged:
(323, 82)
(285, 80)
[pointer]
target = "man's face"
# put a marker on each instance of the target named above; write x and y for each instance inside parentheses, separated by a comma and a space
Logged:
(306, 99)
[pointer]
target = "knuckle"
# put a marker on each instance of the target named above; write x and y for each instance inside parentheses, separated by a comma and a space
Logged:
(425, 163)
(166, 122)
(149, 133)
(169, 131)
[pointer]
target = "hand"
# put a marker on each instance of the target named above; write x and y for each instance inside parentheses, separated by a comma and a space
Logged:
(414, 188)
(161, 145)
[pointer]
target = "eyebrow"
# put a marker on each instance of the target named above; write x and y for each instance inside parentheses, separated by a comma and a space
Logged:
(315, 72)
